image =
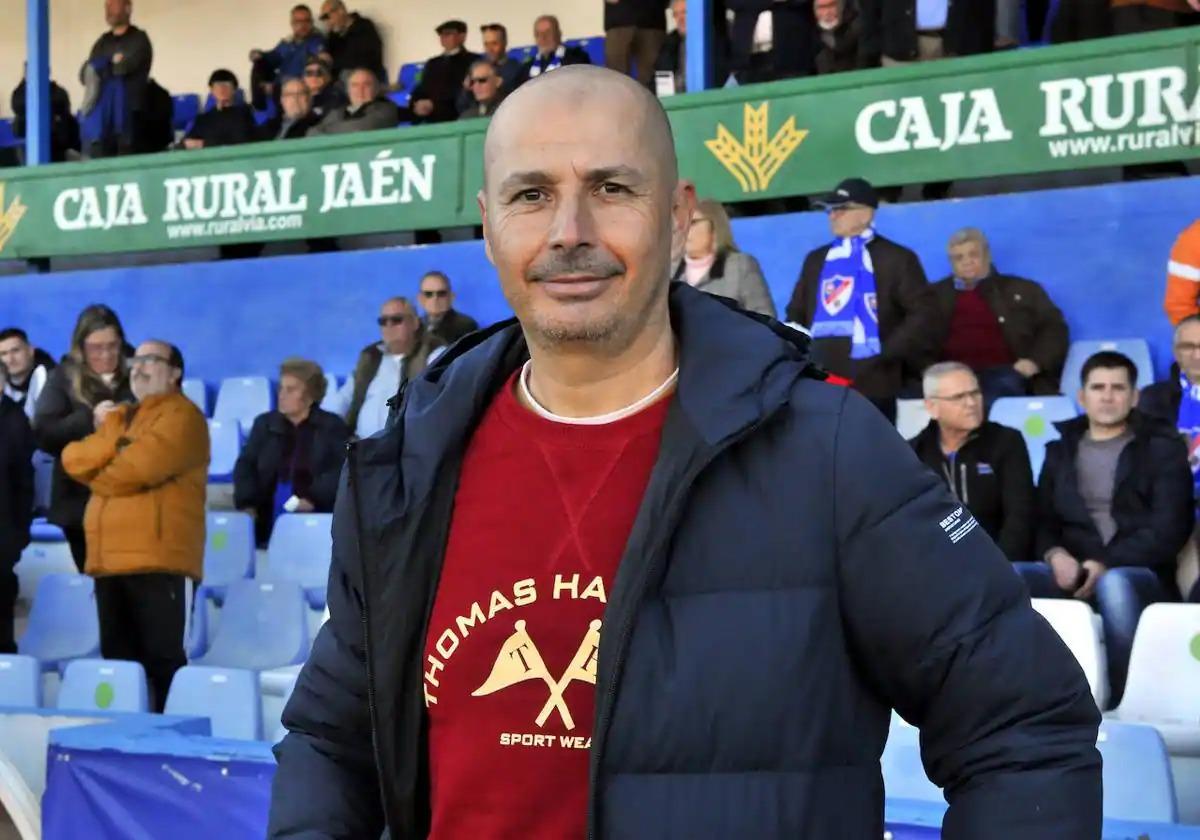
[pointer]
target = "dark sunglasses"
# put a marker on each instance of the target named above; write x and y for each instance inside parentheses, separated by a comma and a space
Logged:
(390, 320)
(314, 72)
(436, 293)
(482, 81)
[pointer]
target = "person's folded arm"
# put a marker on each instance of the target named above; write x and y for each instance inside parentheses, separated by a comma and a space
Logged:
(945, 633)
(84, 459)
(175, 443)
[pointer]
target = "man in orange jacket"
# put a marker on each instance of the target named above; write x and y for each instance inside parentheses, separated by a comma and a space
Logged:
(147, 467)
(1183, 276)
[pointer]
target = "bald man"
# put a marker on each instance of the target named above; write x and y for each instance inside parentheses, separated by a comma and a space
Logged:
(577, 585)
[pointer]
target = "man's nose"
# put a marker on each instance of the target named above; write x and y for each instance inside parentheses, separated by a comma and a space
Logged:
(573, 224)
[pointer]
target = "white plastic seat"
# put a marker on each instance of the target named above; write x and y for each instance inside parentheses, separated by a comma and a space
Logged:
(1034, 418)
(1078, 627)
(911, 418)
(903, 772)
(1163, 686)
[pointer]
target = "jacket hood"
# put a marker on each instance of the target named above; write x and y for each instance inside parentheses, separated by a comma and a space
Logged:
(735, 369)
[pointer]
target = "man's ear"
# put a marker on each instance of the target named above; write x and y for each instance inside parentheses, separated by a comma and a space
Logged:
(481, 200)
(683, 204)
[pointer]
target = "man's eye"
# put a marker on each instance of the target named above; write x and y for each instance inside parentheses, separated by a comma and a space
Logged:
(529, 196)
(609, 188)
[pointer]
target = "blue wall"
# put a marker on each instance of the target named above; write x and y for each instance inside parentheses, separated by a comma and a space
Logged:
(1100, 251)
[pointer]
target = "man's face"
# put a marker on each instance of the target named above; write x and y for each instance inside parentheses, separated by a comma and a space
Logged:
(970, 261)
(315, 78)
(546, 36)
(335, 16)
(451, 39)
(295, 99)
(436, 297)
(223, 94)
(580, 213)
(958, 405)
(850, 219)
(679, 15)
(1108, 396)
(17, 356)
(484, 83)
(398, 327)
(152, 373)
(1187, 352)
(361, 87)
(826, 12)
(302, 24)
(494, 45)
(116, 12)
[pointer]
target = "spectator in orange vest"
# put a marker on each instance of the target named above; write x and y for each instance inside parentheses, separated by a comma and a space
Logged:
(1183, 276)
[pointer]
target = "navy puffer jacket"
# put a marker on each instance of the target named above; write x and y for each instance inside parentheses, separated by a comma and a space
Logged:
(792, 575)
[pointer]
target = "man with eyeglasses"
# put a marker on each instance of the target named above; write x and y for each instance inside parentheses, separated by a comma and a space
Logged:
(441, 319)
(287, 59)
(487, 91)
(367, 110)
(865, 301)
(351, 40)
(147, 467)
(297, 117)
(1176, 400)
(495, 50)
(1115, 507)
(403, 352)
(985, 465)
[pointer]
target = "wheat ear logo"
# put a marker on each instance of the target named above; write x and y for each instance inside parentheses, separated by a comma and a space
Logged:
(9, 217)
(754, 160)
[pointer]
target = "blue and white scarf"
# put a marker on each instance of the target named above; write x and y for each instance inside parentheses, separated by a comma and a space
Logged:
(846, 303)
(1189, 425)
(556, 60)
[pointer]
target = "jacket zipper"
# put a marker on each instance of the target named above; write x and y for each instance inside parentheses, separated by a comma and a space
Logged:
(966, 494)
(364, 614)
(671, 519)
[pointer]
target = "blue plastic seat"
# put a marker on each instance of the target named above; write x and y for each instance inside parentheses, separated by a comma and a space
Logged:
(1034, 418)
(410, 74)
(594, 47)
(228, 697)
(43, 531)
(1135, 348)
(400, 97)
(301, 549)
(20, 681)
(43, 479)
(264, 625)
(195, 391)
(1138, 785)
(903, 773)
(228, 551)
(522, 54)
(243, 398)
(185, 107)
(7, 137)
(62, 624)
(103, 685)
(225, 443)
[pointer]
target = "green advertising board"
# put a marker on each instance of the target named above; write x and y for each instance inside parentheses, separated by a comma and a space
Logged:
(1102, 103)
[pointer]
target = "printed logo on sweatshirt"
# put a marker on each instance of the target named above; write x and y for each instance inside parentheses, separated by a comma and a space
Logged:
(958, 524)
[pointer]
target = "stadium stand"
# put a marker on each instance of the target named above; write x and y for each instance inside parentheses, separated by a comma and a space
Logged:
(224, 438)
(1034, 418)
(301, 549)
(20, 680)
(263, 625)
(62, 623)
(243, 398)
(1137, 774)
(228, 552)
(103, 685)
(228, 697)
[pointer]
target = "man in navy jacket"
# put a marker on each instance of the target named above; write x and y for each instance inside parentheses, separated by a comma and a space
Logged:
(790, 575)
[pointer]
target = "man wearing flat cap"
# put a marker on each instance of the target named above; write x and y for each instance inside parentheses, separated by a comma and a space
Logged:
(865, 300)
(226, 122)
(435, 96)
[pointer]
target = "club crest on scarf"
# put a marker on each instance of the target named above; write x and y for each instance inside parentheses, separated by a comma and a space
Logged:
(870, 300)
(836, 292)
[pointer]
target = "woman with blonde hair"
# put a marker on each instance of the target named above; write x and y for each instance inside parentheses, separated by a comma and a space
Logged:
(712, 262)
(91, 382)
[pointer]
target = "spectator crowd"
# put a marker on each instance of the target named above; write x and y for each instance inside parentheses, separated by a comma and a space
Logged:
(338, 55)
(1108, 520)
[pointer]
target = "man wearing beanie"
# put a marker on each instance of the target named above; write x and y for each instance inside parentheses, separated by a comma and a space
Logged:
(226, 122)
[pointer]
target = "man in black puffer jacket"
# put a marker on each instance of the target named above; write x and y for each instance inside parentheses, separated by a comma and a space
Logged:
(604, 468)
